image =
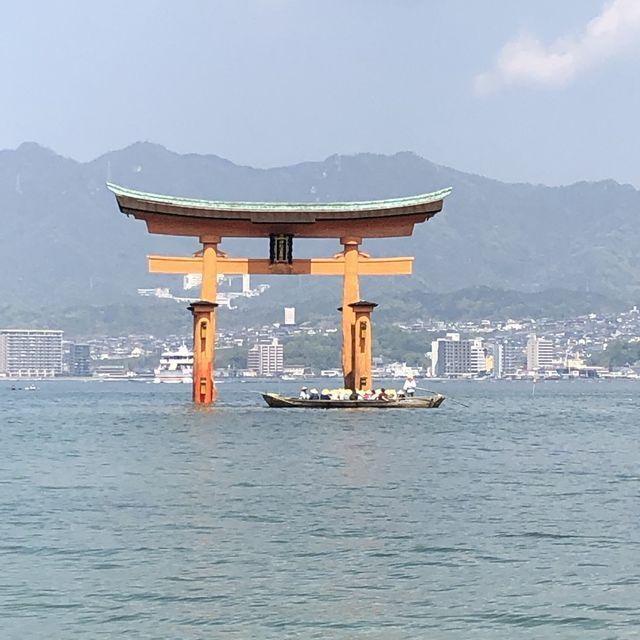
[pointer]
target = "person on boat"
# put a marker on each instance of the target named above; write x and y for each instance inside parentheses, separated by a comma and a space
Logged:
(353, 395)
(325, 394)
(410, 386)
(304, 394)
(313, 394)
(382, 395)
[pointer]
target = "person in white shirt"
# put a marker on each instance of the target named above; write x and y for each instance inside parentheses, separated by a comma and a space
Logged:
(410, 386)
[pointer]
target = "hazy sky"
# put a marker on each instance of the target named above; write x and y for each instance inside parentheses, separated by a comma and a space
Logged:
(520, 90)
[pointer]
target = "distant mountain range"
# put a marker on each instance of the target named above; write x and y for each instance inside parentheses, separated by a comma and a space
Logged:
(63, 241)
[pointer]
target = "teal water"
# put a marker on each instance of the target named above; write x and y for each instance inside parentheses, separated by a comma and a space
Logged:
(127, 513)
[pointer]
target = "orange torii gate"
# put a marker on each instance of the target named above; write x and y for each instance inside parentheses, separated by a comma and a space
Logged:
(350, 222)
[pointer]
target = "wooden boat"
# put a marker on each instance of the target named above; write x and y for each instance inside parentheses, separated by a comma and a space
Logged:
(286, 402)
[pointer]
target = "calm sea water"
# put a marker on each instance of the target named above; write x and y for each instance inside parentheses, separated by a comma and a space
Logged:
(125, 512)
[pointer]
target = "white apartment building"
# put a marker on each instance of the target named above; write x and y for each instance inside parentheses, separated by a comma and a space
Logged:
(478, 356)
(30, 352)
(508, 358)
(453, 357)
(266, 358)
(539, 353)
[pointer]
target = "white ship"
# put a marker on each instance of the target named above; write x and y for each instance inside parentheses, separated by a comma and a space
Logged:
(175, 366)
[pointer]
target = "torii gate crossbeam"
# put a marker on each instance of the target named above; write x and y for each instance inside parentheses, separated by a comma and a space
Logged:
(350, 265)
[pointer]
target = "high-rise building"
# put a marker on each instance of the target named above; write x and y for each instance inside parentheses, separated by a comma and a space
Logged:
(80, 360)
(508, 358)
(498, 360)
(266, 358)
(539, 353)
(478, 356)
(30, 352)
(451, 356)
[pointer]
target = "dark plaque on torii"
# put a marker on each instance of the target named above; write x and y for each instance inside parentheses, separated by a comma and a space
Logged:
(280, 248)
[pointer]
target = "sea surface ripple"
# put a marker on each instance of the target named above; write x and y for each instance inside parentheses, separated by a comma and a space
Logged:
(125, 512)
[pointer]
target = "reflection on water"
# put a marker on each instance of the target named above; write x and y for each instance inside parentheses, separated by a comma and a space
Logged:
(125, 511)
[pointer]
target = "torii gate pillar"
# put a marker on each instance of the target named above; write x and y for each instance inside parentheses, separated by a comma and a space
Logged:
(204, 342)
(350, 294)
(362, 344)
(204, 324)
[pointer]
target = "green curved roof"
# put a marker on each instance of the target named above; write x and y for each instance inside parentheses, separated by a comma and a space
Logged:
(219, 205)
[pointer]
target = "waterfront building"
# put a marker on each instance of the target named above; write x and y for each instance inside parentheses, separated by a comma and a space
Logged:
(453, 357)
(30, 352)
(478, 357)
(508, 358)
(498, 360)
(450, 356)
(295, 370)
(79, 360)
(113, 372)
(266, 358)
(539, 353)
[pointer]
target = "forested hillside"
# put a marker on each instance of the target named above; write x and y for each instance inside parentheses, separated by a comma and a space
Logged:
(64, 242)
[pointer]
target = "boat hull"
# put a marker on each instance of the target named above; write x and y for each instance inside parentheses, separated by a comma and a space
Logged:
(176, 379)
(284, 402)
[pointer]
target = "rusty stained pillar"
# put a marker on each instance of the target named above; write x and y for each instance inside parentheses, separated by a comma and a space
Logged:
(204, 324)
(362, 344)
(350, 294)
